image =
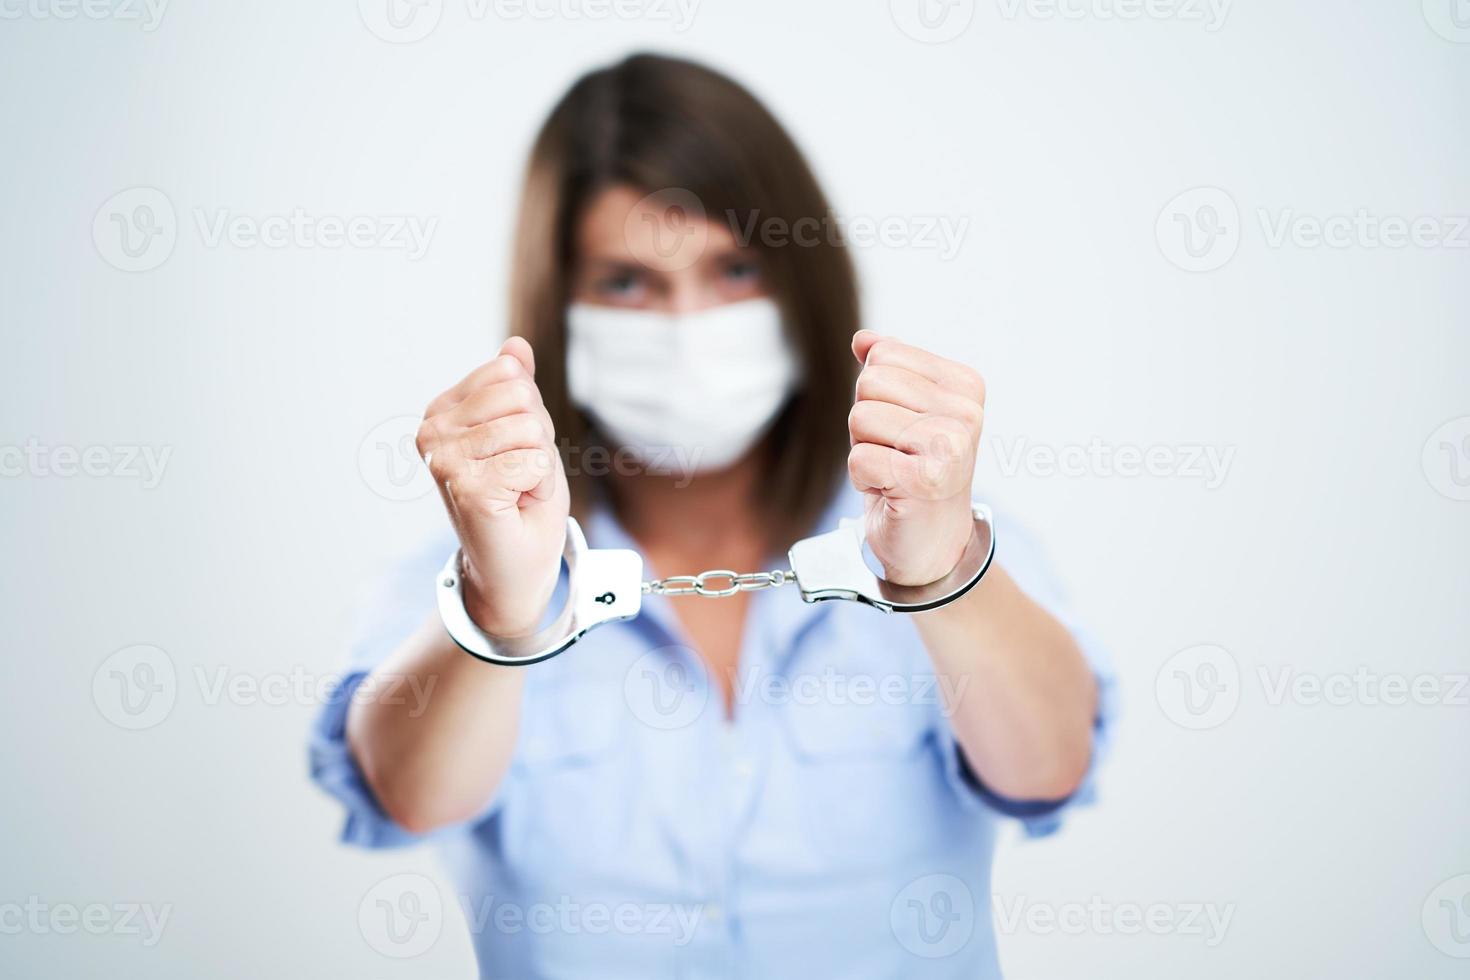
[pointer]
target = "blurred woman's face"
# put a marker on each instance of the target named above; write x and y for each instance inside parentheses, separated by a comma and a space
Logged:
(637, 251)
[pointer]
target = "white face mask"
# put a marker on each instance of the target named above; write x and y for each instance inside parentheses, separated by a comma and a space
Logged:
(690, 392)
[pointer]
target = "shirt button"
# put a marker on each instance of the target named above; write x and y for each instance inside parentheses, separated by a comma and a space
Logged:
(744, 769)
(712, 912)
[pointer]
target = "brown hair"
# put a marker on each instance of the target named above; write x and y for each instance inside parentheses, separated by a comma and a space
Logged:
(663, 124)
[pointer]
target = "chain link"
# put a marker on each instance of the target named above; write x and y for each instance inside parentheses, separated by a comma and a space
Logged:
(700, 584)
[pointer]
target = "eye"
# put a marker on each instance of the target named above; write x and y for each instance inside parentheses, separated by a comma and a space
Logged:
(742, 271)
(619, 285)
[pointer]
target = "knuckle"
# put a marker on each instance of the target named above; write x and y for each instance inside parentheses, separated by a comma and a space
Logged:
(975, 384)
(881, 351)
(475, 442)
(426, 439)
(972, 415)
(527, 428)
(507, 366)
(525, 396)
(441, 467)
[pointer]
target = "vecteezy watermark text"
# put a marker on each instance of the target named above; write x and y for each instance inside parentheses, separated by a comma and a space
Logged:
(300, 229)
(137, 229)
(147, 13)
(1210, 465)
(1102, 917)
(137, 687)
(1363, 229)
(389, 463)
(403, 915)
(1200, 687)
(1210, 13)
(1200, 230)
(409, 21)
(124, 462)
(944, 234)
(41, 918)
(663, 691)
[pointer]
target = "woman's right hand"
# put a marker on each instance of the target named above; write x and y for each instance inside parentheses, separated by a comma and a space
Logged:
(490, 444)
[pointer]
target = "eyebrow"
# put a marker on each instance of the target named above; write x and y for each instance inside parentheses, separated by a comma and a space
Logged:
(713, 250)
(604, 264)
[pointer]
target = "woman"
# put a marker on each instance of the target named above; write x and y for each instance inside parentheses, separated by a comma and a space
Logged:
(746, 786)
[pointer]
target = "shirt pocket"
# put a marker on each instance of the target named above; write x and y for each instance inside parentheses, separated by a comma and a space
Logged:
(566, 729)
(567, 809)
(868, 779)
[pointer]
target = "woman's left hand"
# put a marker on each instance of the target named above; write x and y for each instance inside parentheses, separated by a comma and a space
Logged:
(915, 429)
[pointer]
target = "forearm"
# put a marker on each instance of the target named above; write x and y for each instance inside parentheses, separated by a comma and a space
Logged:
(1023, 696)
(435, 760)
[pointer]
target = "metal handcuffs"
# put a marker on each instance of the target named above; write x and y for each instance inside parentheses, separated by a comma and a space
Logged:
(605, 585)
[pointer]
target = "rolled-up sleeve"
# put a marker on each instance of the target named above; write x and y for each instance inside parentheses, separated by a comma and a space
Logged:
(397, 608)
(1018, 553)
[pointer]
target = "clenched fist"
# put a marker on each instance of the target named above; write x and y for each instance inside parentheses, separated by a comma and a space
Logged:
(490, 445)
(915, 428)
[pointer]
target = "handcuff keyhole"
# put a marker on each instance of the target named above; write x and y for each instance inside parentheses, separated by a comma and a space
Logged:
(607, 598)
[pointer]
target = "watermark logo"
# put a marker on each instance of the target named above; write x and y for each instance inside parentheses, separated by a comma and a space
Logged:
(400, 21)
(388, 460)
(136, 687)
(669, 226)
(1446, 459)
(135, 230)
(1199, 687)
(935, 458)
(1446, 917)
(402, 916)
(932, 21)
(1199, 230)
(663, 690)
(934, 916)
(1450, 19)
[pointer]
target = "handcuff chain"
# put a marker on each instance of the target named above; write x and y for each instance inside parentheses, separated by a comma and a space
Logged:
(676, 585)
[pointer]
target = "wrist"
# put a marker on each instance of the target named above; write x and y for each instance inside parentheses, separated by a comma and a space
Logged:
(491, 616)
(944, 556)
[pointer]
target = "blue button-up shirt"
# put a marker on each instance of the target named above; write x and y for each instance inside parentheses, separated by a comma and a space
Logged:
(830, 829)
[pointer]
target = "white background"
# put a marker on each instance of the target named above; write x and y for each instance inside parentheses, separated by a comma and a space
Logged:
(1332, 545)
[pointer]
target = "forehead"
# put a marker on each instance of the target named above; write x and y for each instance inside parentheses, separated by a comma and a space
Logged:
(664, 231)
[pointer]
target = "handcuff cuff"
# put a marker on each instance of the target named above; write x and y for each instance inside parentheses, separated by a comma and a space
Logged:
(605, 585)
